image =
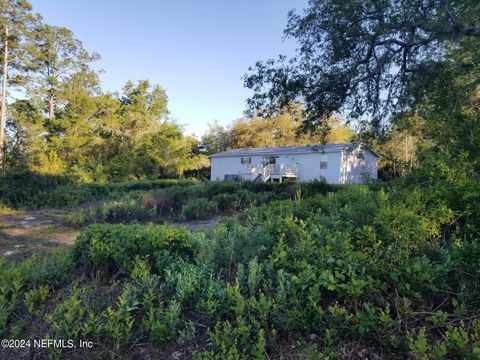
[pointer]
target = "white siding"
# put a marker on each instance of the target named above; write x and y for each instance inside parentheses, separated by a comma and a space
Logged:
(222, 166)
(354, 169)
(309, 166)
(230, 165)
(343, 166)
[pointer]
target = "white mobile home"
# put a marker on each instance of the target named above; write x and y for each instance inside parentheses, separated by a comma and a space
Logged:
(335, 163)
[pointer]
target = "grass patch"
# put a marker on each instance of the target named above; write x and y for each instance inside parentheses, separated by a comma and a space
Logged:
(5, 211)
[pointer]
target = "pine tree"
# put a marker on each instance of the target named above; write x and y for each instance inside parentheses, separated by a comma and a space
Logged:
(55, 55)
(16, 21)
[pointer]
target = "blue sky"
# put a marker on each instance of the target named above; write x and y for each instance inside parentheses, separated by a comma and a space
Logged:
(197, 50)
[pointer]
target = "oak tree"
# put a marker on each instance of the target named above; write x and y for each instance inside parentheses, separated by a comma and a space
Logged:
(361, 57)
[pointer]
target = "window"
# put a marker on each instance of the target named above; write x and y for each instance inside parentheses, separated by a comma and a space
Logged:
(323, 161)
(246, 160)
(270, 160)
(360, 155)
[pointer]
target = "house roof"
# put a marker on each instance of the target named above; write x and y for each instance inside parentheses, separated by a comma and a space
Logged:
(287, 150)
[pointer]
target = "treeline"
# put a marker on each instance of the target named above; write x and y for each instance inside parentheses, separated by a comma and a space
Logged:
(282, 129)
(101, 138)
(59, 121)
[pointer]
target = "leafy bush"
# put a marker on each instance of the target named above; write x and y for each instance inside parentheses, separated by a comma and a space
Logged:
(34, 299)
(330, 274)
(16, 189)
(109, 248)
(227, 203)
(228, 196)
(199, 209)
(128, 210)
(11, 282)
(56, 270)
(31, 190)
(190, 201)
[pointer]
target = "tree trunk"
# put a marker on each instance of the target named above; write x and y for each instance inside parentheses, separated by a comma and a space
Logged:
(51, 105)
(3, 104)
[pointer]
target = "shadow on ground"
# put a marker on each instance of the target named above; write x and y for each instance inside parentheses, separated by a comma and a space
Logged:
(34, 233)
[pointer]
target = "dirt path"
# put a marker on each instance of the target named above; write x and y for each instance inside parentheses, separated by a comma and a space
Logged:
(34, 232)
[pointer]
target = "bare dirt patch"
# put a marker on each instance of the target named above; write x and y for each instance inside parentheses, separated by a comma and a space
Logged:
(34, 232)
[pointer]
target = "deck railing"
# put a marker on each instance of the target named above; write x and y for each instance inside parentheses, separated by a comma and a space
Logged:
(267, 171)
(264, 173)
(287, 169)
(252, 169)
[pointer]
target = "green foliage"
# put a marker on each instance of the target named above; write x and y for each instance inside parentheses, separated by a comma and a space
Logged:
(128, 210)
(227, 203)
(337, 67)
(11, 284)
(178, 200)
(281, 129)
(419, 345)
(321, 270)
(66, 319)
(94, 136)
(119, 322)
(198, 209)
(20, 188)
(161, 324)
(32, 190)
(203, 201)
(34, 300)
(364, 265)
(56, 270)
(110, 248)
(235, 342)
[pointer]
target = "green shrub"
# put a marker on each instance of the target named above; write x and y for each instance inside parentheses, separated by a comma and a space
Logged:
(119, 323)
(31, 190)
(161, 324)
(66, 319)
(11, 282)
(371, 270)
(109, 248)
(199, 209)
(126, 211)
(227, 203)
(34, 300)
(235, 341)
(55, 271)
(17, 189)
(240, 200)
